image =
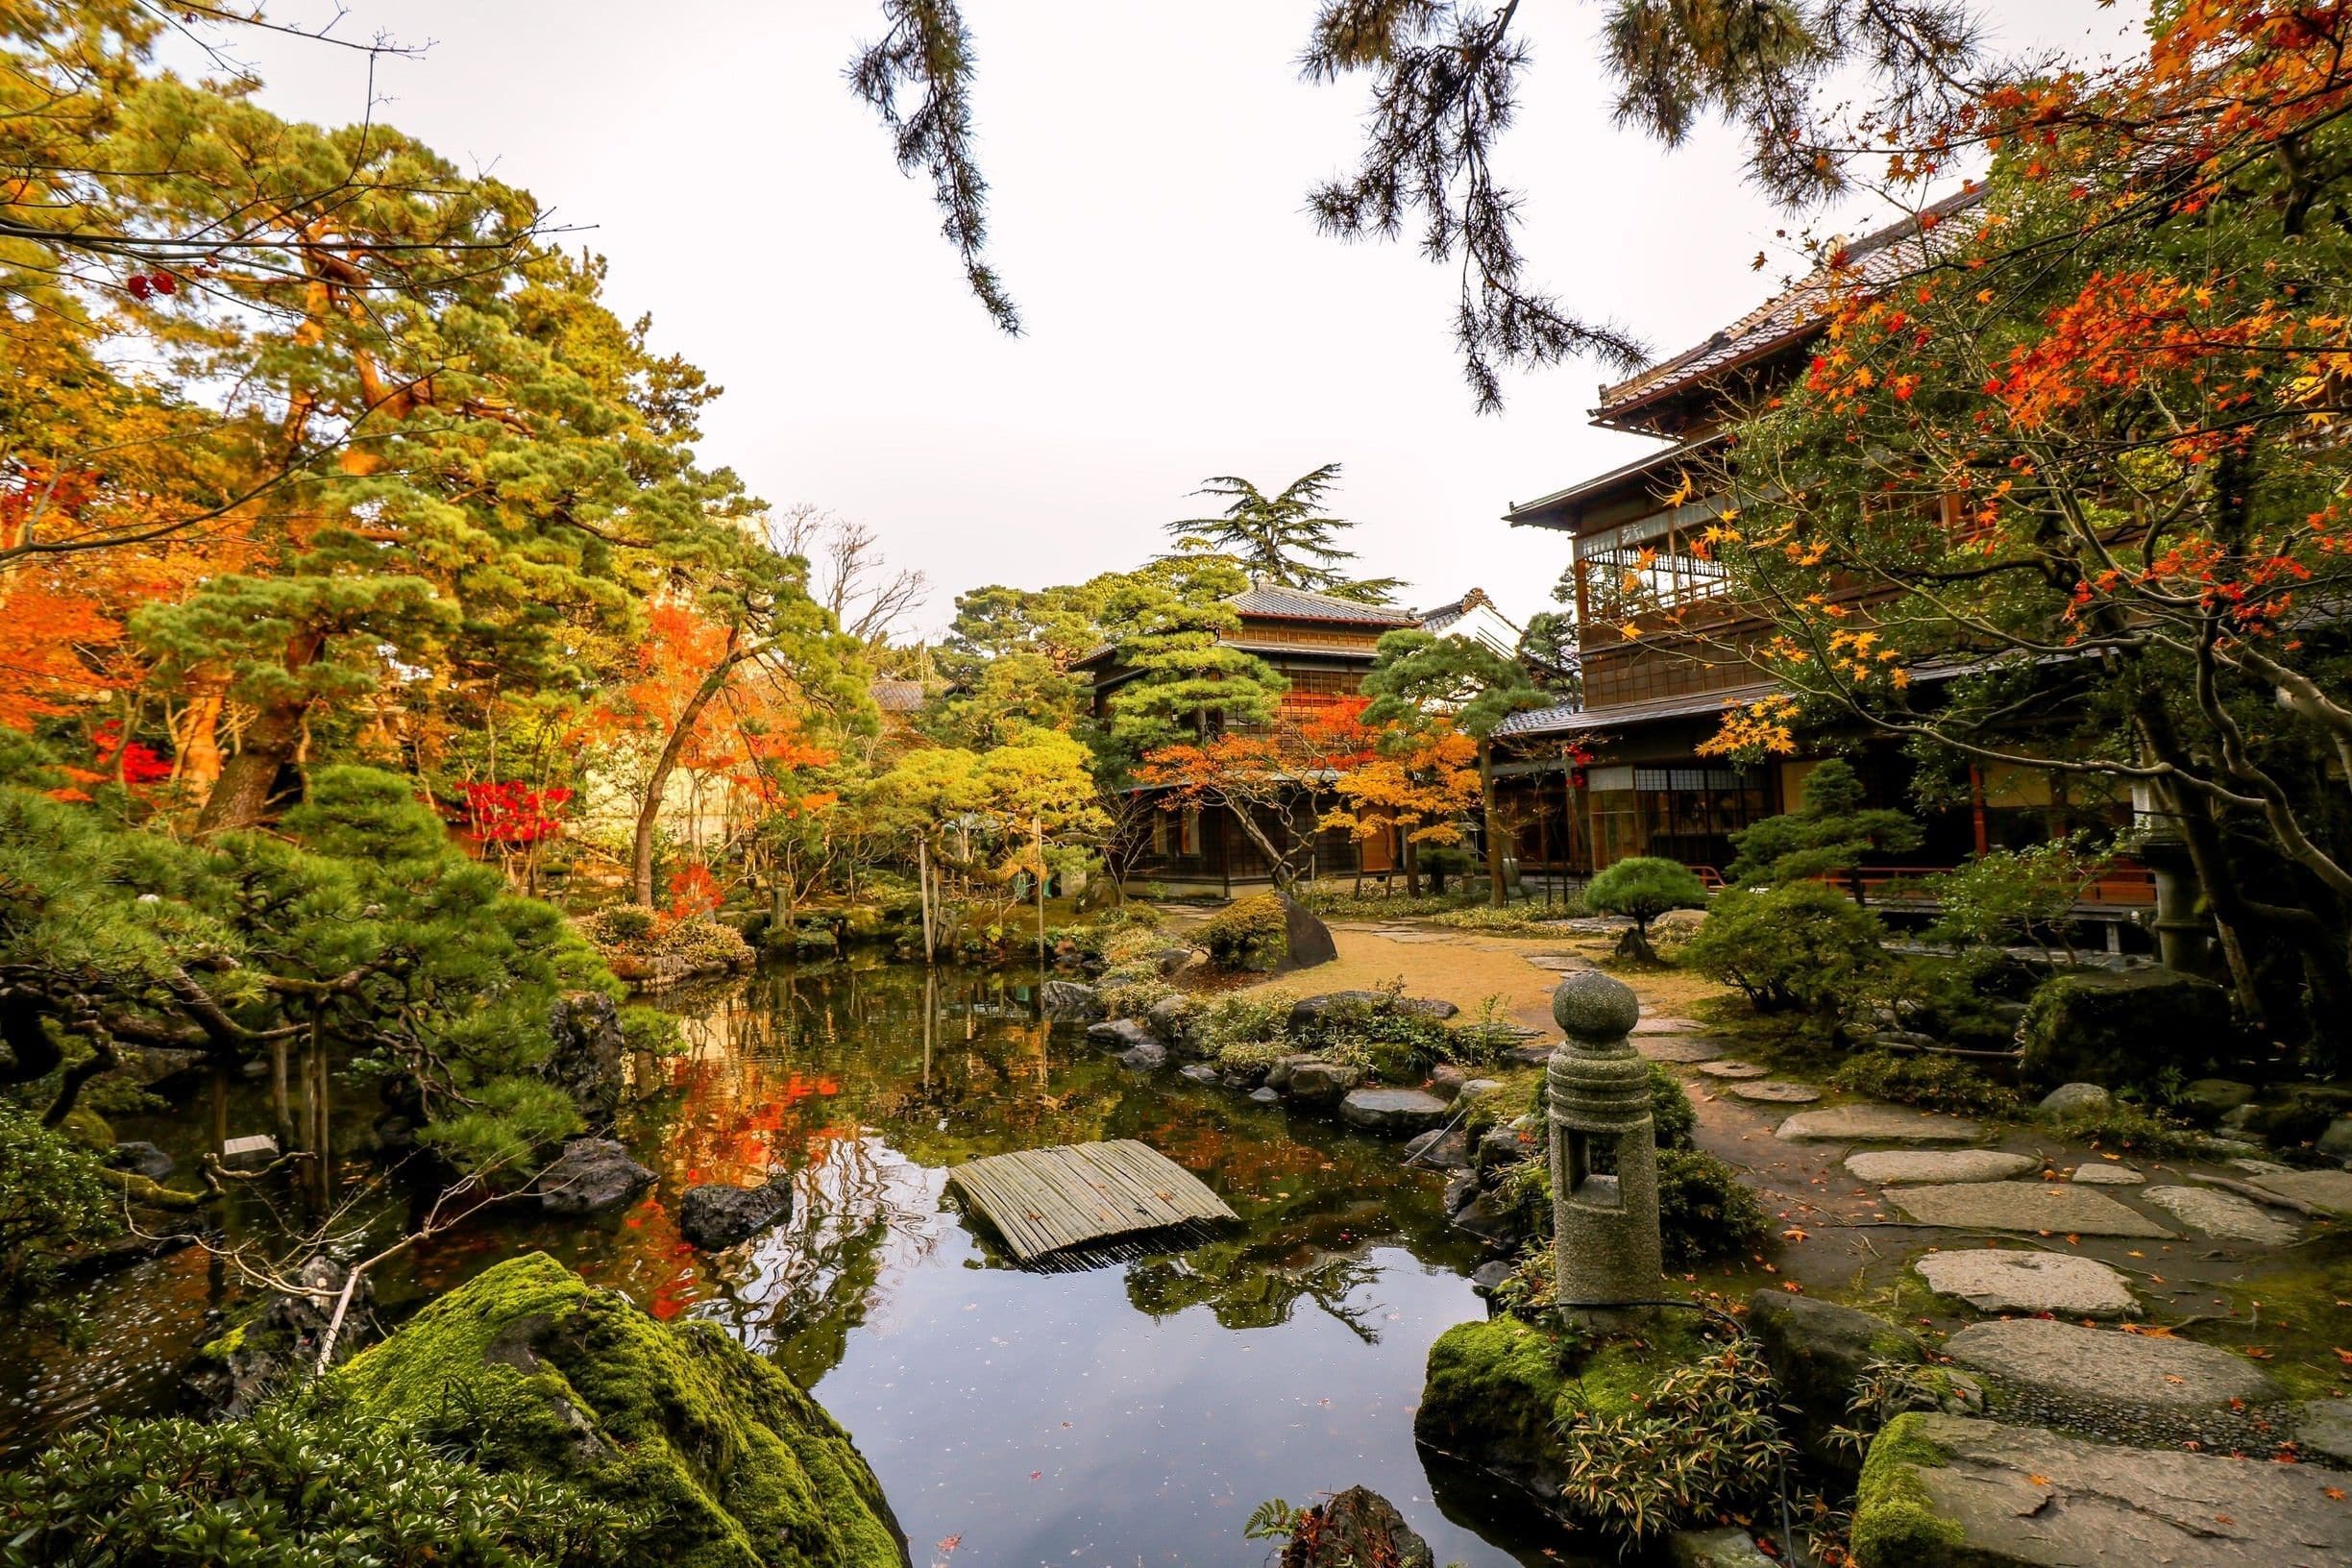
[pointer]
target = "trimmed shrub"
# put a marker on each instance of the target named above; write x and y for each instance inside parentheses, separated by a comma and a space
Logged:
(1641, 888)
(1249, 1015)
(1803, 947)
(2128, 1029)
(1938, 1082)
(1705, 1211)
(1247, 934)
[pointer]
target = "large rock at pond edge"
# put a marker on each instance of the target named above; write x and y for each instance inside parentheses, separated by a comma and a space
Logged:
(1403, 1111)
(2122, 1026)
(716, 1216)
(141, 1158)
(588, 1060)
(1178, 1022)
(1488, 1401)
(1317, 1082)
(1066, 1000)
(1307, 940)
(1118, 1035)
(1733, 1548)
(1817, 1351)
(1946, 1493)
(591, 1175)
(722, 1457)
(1357, 1528)
(277, 1346)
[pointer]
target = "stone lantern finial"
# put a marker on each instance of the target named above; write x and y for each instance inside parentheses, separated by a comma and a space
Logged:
(1605, 1212)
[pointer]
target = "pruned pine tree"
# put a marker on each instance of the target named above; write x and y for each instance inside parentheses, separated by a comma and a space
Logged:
(1283, 539)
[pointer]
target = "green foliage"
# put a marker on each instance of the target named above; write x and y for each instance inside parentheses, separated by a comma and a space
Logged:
(1248, 934)
(2130, 1128)
(1278, 539)
(307, 1482)
(2008, 897)
(1701, 1441)
(2133, 1030)
(54, 1195)
(1643, 887)
(1802, 946)
(1525, 919)
(622, 925)
(1942, 1082)
(1241, 1016)
(1896, 1525)
(1253, 1057)
(1332, 899)
(1272, 1520)
(720, 1459)
(1705, 1211)
(1418, 675)
(1829, 831)
(1168, 630)
(1673, 1119)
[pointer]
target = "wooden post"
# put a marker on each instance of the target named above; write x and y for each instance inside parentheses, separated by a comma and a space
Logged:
(281, 1111)
(1037, 839)
(923, 877)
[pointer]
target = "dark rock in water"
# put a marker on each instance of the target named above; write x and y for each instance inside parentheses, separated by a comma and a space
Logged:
(1489, 1277)
(587, 1063)
(1357, 1528)
(141, 1158)
(1068, 1000)
(1316, 1082)
(715, 1216)
(1119, 1035)
(1278, 1076)
(1392, 1110)
(1266, 1096)
(1200, 1072)
(591, 1175)
(2124, 1027)
(1307, 940)
(1149, 1057)
(1178, 1023)
(1818, 1351)
(277, 1346)
(1490, 1216)
(1497, 1147)
(1439, 1151)
(1733, 1548)
(1459, 1192)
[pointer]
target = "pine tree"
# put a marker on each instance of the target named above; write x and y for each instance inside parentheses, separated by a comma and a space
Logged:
(1281, 539)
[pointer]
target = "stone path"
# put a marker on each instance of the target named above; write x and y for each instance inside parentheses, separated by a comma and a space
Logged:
(2106, 1175)
(2108, 1366)
(2024, 1206)
(2225, 1214)
(1898, 1167)
(2027, 1496)
(1734, 1070)
(1669, 1026)
(2326, 1189)
(1876, 1124)
(1677, 1048)
(1997, 1280)
(1773, 1092)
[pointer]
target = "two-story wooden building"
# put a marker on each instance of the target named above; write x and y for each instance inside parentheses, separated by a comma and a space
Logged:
(1619, 773)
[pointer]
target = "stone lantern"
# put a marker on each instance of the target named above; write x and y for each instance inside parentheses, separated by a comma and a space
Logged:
(1604, 1211)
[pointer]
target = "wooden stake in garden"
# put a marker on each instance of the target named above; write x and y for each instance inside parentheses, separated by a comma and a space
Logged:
(1036, 834)
(922, 880)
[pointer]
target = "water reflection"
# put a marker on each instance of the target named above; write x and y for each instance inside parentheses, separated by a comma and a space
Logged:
(1133, 1413)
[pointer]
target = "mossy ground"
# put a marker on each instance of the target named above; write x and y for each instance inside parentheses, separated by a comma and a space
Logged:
(1895, 1525)
(726, 1459)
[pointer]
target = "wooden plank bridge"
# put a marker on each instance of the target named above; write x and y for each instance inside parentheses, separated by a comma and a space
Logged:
(1044, 1200)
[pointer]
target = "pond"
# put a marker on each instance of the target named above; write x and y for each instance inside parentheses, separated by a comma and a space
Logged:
(1130, 1412)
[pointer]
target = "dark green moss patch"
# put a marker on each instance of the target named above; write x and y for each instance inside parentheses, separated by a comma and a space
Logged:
(1896, 1525)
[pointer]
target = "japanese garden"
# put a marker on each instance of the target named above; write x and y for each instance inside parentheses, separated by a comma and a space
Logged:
(557, 1010)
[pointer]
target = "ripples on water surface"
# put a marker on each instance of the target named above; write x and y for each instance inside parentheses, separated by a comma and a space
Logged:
(1131, 1413)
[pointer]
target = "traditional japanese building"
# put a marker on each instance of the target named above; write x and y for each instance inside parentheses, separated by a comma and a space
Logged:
(1322, 646)
(1620, 772)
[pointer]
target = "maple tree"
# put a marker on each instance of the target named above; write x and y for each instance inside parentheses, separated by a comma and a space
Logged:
(1419, 781)
(2068, 490)
(1282, 771)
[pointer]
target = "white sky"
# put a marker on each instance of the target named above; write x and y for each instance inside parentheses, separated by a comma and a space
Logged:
(1149, 164)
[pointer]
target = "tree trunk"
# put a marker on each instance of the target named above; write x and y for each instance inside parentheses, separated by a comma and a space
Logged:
(1278, 866)
(922, 880)
(1498, 894)
(1413, 868)
(242, 792)
(649, 815)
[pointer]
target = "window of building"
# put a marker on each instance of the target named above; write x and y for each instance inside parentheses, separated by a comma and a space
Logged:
(1654, 563)
(1188, 831)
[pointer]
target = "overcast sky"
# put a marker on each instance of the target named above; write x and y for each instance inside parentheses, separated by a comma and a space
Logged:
(1150, 163)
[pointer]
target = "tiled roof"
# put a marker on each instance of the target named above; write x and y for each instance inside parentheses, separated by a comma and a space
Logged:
(1543, 510)
(1875, 258)
(897, 696)
(1568, 718)
(1299, 605)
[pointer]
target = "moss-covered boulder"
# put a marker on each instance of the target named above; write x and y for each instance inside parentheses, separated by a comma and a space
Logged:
(1897, 1524)
(727, 1460)
(2123, 1028)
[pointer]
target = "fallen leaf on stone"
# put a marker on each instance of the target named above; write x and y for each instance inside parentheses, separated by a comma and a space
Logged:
(2333, 1494)
(2223, 1519)
(2170, 1377)
(2258, 1352)
(2036, 1480)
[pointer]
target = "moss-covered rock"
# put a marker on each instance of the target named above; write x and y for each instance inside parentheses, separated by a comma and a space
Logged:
(2123, 1028)
(1489, 1399)
(727, 1460)
(1895, 1524)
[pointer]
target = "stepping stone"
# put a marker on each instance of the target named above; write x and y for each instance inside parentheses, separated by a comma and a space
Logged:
(1993, 1281)
(2103, 1174)
(2106, 1367)
(1902, 1167)
(2024, 1206)
(1734, 1070)
(2328, 1190)
(1392, 1110)
(1774, 1093)
(1667, 1026)
(1677, 1048)
(2324, 1426)
(1565, 963)
(1876, 1124)
(2223, 1214)
(2007, 1497)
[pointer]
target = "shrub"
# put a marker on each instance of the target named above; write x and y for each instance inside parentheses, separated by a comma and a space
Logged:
(298, 1484)
(1671, 1113)
(1803, 947)
(1335, 900)
(1830, 830)
(53, 1193)
(2129, 1129)
(1528, 919)
(2005, 896)
(1705, 1211)
(622, 925)
(1252, 1059)
(1642, 888)
(1247, 934)
(1698, 1442)
(1249, 1015)
(1941, 1082)
(2135, 1028)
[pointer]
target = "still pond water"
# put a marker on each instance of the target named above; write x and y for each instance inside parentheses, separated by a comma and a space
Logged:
(1128, 1415)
